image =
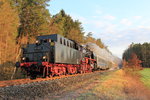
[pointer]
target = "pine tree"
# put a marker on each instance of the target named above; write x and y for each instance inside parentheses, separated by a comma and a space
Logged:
(63, 24)
(75, 32)
(34, 18)
(89, 38)
(100, 43)
(57, 23)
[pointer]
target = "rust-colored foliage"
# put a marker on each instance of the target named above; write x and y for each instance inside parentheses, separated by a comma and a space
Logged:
(133, 63)
(141, 50)
(9, 22)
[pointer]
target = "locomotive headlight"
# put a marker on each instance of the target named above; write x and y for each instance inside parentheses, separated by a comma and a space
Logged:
(44, 57)
(23, 58)
(37, 41)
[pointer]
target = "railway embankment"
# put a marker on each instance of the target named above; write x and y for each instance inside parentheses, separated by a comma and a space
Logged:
(49, 88)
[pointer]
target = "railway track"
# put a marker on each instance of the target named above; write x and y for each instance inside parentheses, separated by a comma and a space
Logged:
(27, 81)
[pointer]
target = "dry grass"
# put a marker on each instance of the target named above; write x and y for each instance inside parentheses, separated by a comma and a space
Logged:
(120, 86)
(135, 89)
(117, 85)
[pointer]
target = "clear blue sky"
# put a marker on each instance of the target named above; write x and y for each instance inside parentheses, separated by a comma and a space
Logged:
(117, 22)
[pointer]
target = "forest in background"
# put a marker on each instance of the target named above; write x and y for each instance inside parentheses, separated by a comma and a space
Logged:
(138, 51)
(22, 20)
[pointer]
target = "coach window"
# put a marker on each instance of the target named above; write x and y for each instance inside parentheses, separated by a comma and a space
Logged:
(60, 40)
(64, 42)
(68, 43)
(74, 46)
(71, 45)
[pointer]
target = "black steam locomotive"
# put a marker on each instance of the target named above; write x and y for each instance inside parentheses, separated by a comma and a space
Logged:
(55, 55)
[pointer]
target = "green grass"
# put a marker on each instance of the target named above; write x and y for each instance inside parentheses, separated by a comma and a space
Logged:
(145, 76)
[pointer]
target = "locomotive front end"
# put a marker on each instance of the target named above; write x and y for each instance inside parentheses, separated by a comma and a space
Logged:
(35, 57)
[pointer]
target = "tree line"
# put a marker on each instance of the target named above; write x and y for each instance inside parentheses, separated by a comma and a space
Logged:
(22, 20)
(142, 51)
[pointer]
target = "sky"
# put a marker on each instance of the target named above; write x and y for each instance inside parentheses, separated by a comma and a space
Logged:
(117, 22)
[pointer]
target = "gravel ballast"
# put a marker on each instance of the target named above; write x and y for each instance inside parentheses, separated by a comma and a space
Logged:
(44, 89)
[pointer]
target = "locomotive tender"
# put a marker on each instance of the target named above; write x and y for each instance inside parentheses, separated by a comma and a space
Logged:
(55, 55)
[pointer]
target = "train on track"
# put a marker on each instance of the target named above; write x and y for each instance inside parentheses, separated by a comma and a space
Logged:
(56, 55)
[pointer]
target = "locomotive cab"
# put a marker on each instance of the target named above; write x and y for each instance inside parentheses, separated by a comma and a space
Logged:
(38, 52)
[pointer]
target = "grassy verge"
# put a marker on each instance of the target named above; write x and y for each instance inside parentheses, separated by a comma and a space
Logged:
(145, 76)
(116, 86)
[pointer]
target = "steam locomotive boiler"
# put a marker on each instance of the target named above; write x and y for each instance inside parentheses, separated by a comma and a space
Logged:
(54, 55)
